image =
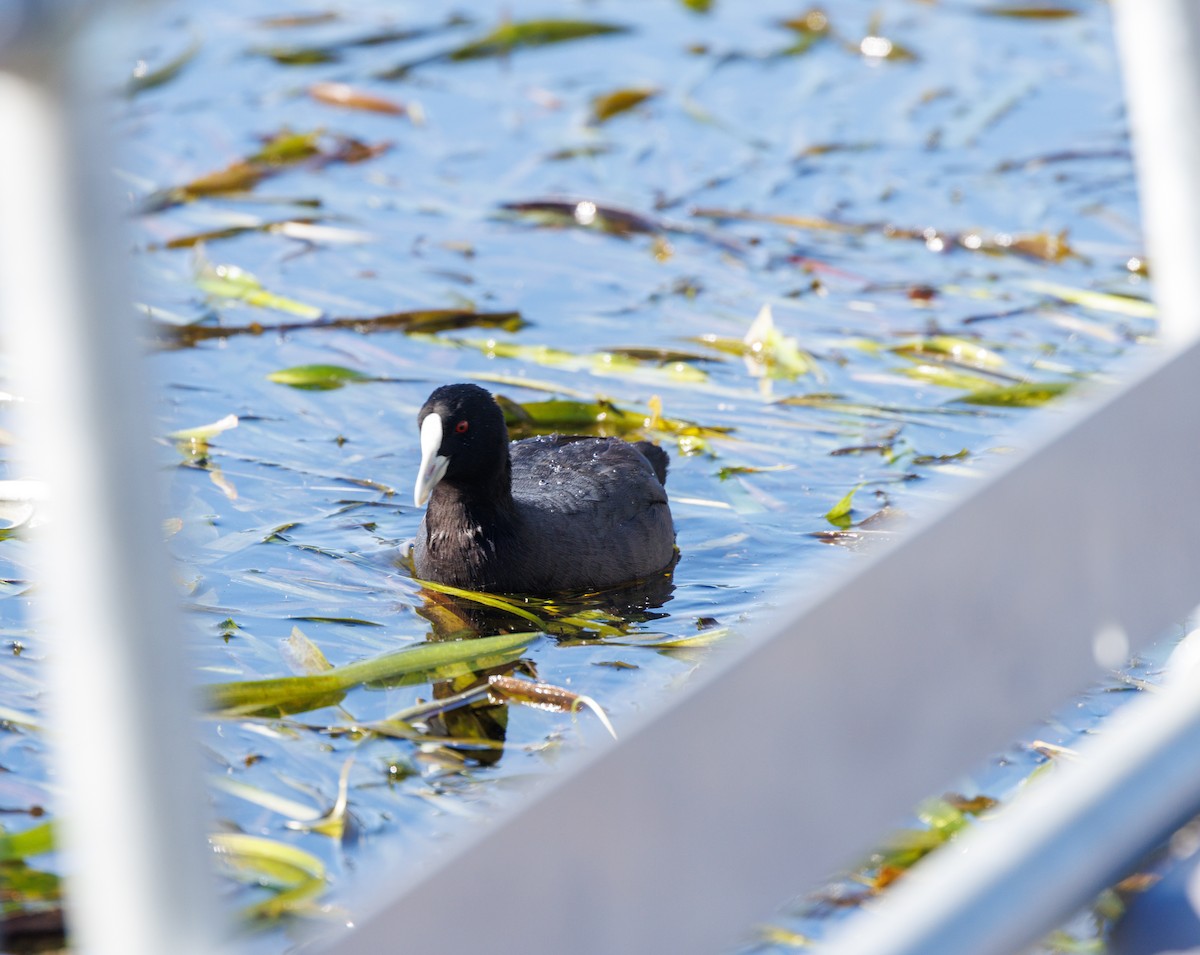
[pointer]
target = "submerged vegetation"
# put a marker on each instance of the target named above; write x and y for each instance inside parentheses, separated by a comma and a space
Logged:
(828, 259)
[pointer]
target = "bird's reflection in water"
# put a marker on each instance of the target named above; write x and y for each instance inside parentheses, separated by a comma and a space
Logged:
(478, 730)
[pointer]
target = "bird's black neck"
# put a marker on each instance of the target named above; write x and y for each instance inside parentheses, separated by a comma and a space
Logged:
(481, 493)
(469, 528)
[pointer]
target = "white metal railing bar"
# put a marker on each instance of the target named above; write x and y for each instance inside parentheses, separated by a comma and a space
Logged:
(847, 710)
(132, 804)
(1012, 879)
(1058, 846)
(1159, 45)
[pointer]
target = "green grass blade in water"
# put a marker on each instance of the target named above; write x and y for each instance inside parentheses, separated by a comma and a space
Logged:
(1098, 301)
(608, 105)
(839, 514)
(511, 36)
(297, 693)
(947, 377)
(316, 377)
(231, 282)
(1027, 394)
(144, 78)
(270, 863)
(32, 842)
(486, 599)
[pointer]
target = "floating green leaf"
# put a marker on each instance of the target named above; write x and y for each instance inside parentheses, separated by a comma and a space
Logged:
(511, 36)
(947, 377)
(961, 350)
(768, 353)
(231, 282)
(1100, 301)
(508, 37)
(605, 419)
(608, 105)
(814, 223)
(585, 213)
(662, 356)
(301, 812)
(288, 147)
(32, 893)
(1029, 11)
(297, 693)
(32, 842)
(1026, 394)
(598, 363)
(303, 655)
(706, 638)
(726, 473)
(316, 377)
(333, 822)
(17, 717)
(419, 321)
(839, 514)
(507, 604)
(267, 862)
(145, 78)
(927, 459)
(840, 405)
(332, 52)
(283, 149)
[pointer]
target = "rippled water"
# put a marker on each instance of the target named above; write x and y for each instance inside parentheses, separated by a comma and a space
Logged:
(874, 203)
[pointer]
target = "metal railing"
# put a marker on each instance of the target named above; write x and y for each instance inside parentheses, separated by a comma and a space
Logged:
(1062, 557)
(132, 808)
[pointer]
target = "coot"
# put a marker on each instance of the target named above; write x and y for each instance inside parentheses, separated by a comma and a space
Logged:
(535, 516)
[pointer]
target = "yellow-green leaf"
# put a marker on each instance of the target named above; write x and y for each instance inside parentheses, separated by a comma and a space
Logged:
(297, 693)
(1026, 394)
(839, 514)
(34, 841)
(510, 36)
(316, 377)
(947, 377)
(231, 282)
(298, 874)
(1100, 301)
(485, 599)
(608, 105)
(961, 350)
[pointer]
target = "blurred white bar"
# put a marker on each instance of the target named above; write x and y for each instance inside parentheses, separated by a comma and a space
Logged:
(1159, 43)
(132, 807)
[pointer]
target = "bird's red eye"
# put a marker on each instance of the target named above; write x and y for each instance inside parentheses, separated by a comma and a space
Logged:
(462, 426)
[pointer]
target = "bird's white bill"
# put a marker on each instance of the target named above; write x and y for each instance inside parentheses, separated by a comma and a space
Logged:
(433, 465)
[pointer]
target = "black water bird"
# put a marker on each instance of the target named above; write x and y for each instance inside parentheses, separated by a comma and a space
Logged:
(541, 515)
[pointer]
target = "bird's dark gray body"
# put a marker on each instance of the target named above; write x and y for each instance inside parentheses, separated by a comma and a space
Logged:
(584, 514)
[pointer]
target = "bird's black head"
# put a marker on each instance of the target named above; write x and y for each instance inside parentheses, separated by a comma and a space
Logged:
(464, 441)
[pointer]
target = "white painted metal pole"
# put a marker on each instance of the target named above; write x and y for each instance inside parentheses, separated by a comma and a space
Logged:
(1014, 878)
(835, 719)
(1062, 843)
(1159, 43)
(132, 805)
